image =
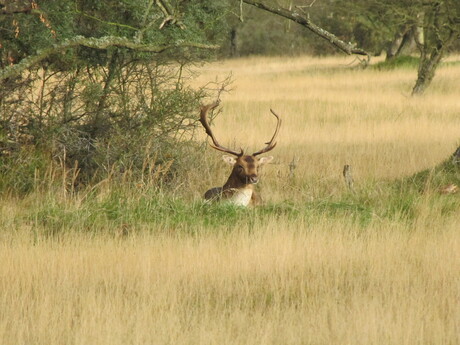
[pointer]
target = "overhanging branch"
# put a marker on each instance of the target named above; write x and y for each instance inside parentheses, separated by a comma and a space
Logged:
(95, 43)
(306, 22)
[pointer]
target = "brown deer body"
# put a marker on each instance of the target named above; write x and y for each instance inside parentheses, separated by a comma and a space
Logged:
(239, 188)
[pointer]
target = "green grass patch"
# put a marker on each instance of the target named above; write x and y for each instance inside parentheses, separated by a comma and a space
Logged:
(111, 211)
(409, 62)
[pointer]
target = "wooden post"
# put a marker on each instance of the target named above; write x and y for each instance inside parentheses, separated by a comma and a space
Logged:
(347, 175)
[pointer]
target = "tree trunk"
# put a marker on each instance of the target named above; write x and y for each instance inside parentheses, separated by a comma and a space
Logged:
(432, 50)
(395, 45)
(408, 45)
(99, 123)
(404, 42)
(426, 70)
(233, 43)
(429, 62)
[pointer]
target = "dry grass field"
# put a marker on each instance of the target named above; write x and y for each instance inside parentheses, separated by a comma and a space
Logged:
(317, 265)
(335, 115)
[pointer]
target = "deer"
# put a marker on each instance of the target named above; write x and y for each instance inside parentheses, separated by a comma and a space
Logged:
(239, 188)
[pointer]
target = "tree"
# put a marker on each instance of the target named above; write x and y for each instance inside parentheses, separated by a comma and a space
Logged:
(440, 23)
(98, 84)
(433, 25)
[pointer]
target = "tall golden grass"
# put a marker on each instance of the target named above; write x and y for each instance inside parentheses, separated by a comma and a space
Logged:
(323, 283)
(334, 114)
(324, 279)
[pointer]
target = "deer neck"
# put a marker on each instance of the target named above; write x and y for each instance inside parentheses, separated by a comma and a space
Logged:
(237, 192)
(234, 182)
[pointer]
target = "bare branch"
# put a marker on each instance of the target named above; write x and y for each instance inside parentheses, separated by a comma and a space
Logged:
(306, 22)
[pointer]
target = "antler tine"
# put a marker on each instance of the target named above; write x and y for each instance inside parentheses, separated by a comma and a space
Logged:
(271, 144)
(204, 122)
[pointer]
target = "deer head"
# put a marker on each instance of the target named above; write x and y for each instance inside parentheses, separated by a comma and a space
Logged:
(245, 167)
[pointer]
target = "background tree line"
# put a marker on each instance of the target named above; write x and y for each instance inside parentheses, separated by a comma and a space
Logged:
(379, 26)
(427, 28)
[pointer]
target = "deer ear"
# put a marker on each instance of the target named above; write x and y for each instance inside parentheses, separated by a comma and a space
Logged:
(265, 160)
(229, 159)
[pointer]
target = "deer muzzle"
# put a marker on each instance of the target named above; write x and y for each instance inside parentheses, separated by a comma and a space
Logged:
(253, 179)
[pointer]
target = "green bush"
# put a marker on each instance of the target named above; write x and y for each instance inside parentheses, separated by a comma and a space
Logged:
(104, 95)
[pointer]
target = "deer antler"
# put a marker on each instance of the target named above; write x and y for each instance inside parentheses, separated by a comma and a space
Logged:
(204, 122)
(271, 144)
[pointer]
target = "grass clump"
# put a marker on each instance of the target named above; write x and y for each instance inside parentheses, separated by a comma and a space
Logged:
(448, 172)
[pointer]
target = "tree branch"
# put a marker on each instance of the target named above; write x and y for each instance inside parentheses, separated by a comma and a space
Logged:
(95, 43)
(306, 22)
(103, 21)
(169, 14)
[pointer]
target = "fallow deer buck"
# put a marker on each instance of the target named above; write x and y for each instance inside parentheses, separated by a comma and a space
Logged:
(239, 188)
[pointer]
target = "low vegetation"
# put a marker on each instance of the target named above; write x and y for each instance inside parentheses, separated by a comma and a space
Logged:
(139, 258)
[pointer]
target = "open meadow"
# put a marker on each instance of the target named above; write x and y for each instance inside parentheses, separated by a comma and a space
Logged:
(316, 264)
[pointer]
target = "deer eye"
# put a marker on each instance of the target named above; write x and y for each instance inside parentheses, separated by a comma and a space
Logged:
(240, 168)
